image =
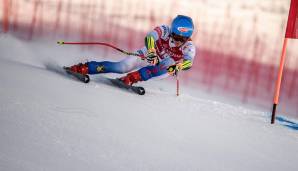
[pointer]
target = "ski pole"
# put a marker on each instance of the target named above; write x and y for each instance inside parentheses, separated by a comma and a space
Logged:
(177, 84)
(173, 70)
(103, 44)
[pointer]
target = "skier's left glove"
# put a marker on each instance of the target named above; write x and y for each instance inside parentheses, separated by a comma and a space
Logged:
(174, 69)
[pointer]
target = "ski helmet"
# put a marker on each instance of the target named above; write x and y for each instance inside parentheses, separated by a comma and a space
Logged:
(182, 26)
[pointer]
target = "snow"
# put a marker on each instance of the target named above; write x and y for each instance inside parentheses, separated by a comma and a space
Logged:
(49, 121)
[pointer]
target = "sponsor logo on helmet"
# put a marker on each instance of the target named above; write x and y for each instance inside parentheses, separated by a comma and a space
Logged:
(183, 29)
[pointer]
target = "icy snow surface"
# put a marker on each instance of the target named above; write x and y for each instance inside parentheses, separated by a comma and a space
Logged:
(51, 122)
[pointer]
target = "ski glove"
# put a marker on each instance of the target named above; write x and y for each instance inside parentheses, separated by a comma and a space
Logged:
(174, 69)
(152, 57)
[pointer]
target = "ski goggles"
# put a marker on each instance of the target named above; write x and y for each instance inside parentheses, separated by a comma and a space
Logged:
(179, 38)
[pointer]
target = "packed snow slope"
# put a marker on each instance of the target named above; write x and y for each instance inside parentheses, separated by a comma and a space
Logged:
(49, 121)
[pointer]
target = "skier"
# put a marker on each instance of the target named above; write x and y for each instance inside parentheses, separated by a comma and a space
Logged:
(167, 50)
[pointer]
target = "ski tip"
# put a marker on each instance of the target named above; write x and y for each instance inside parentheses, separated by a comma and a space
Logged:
(86, 79)
(60, 42)
(141, 90)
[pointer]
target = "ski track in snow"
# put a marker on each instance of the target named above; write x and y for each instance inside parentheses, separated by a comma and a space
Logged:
(49, 121)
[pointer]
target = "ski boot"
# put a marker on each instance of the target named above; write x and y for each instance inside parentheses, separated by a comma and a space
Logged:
(127, 81)
(80, 68)
(80, 71)
(131, 78)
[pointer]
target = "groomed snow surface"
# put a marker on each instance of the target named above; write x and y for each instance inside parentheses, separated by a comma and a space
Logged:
(49, 121)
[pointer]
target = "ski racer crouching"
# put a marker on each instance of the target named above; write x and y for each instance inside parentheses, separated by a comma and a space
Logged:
(165, 47)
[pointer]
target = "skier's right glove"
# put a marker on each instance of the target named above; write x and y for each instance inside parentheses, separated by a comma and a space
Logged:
(152, 57)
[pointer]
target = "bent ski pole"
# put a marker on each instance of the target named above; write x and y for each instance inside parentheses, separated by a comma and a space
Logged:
(102, 44)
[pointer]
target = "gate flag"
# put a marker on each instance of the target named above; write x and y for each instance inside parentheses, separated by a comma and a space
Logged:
(291, 33)
(292, 26)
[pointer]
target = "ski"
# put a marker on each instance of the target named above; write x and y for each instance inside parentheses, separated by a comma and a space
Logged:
(115, 82)
(80, 77)
(136, 89)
